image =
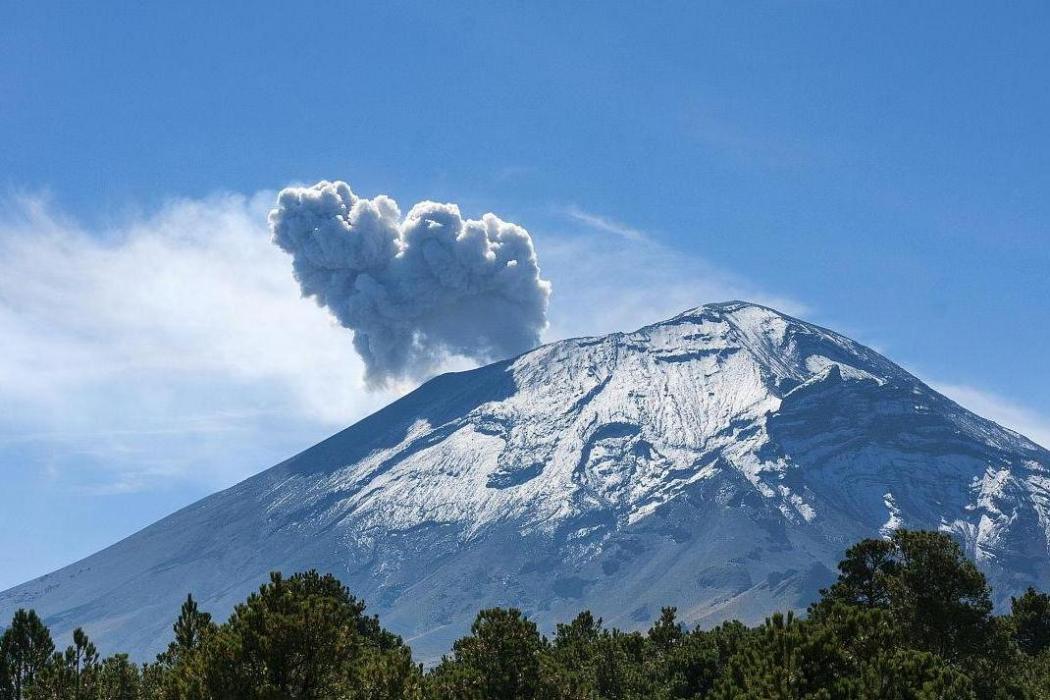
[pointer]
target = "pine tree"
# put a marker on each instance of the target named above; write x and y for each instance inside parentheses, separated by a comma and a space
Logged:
(938, 595)
(500, 660)
(191, 626)
(666, 632)
(305, 637)
(939, 598)
(26, 649)
(1030, 615)
(864, 575)
(623, 660)
(569, 668)
(691, 667)
(81, 660)
(118, 679)
(789, 659)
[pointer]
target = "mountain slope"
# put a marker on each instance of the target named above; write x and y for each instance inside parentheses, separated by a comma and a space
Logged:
(719, 461)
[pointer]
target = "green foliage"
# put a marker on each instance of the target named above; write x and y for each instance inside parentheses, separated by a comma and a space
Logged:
(937, 596)
(71, 674)
(299, 638)
(909, 618)
(500, 660)
(852, 652)
(1037, 675)
(1030, 615)
(25, 650)
(191, 627)
(570, 666)
(118, 679)
(685, 664)
(864, 575)
(788, 658)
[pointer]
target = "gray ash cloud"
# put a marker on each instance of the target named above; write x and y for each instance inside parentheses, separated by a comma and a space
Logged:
(417, 288)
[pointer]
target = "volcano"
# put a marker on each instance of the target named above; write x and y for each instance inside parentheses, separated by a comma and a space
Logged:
(720, 461)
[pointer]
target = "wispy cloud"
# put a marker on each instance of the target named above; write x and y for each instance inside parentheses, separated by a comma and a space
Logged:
(606, 224)
(752, 147)
(1030, 423)
(604, 284)
(156, 339)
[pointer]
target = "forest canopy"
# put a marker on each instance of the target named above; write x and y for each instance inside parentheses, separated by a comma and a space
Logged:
(909, 617)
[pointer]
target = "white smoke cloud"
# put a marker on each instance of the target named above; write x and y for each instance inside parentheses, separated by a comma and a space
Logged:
(414, 289)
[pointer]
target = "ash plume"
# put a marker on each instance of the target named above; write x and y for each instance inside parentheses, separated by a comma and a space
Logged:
(414, 289)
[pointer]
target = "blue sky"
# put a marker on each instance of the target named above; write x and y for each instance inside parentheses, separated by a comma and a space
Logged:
(879, 168)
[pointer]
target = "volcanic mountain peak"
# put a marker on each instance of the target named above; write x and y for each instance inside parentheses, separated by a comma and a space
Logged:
(617, 425)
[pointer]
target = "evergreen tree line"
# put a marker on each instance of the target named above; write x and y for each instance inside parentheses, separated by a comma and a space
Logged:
(908, 618)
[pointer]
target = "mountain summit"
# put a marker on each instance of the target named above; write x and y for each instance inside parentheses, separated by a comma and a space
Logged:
(719, 461)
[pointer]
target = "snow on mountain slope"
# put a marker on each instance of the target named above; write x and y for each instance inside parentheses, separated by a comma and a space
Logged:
(719, 461)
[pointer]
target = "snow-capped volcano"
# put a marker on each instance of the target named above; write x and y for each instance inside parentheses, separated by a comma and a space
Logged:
(719, 461)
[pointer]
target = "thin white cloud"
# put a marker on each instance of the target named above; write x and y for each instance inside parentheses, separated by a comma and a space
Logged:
(604, 223)
(751, 148)
(153, 341)
(602, 284)
(1032, 424)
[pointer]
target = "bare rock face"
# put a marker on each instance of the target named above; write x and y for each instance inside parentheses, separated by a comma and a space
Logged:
(720, 461)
